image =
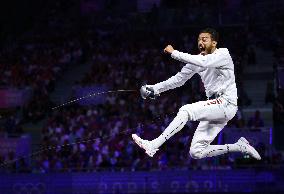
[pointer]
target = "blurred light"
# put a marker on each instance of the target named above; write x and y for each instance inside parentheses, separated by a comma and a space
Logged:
(270, 135)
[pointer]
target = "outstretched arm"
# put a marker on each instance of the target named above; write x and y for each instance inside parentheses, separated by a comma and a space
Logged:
(177, 80)
(216, 59)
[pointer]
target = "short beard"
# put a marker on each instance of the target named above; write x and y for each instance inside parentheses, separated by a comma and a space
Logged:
(209, 50)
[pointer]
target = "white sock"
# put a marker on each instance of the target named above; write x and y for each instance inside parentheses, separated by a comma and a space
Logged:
(175, 126)
(233, 147)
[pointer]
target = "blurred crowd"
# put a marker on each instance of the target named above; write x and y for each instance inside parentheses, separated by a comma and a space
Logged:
(278, 75)
(36, 63)
(98, 137)
(87, 139)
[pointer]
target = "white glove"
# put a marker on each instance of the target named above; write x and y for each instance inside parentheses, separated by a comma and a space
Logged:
(148, 90)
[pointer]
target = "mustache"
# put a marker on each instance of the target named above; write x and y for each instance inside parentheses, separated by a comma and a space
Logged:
(201, 47)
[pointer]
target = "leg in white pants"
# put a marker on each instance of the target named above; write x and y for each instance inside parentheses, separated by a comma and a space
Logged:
(213, 116)
(203, 136)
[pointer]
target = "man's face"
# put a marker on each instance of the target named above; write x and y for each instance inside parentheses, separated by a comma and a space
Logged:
(205, 43)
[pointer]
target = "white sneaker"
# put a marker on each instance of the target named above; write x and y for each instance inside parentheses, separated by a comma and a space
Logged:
(246, 148)
(145, 144)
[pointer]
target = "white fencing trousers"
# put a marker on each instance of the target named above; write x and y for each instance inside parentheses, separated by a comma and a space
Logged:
(213, 116)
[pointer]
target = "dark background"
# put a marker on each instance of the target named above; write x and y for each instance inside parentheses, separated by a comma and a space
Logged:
(54, 51)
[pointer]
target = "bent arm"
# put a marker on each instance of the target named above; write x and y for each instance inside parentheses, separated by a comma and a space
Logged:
(177, 80)
(216, 59)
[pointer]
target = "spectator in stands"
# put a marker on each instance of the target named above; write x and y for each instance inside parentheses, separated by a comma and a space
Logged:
(44, 57)
(256, 121)
(269, 96)
(278, 111)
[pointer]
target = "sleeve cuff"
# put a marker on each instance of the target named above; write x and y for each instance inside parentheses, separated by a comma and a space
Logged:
(156, 88)
(174, 54)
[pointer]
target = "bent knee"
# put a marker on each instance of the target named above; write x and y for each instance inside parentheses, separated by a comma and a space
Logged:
(195, 154)
(189, 110)
(197, 151)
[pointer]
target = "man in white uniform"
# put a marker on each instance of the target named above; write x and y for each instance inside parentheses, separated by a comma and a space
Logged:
(216, 69)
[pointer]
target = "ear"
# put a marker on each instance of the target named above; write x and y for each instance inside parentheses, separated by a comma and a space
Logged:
(214, 43)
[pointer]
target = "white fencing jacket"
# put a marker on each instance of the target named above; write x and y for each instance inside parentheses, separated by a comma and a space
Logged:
(216, 71)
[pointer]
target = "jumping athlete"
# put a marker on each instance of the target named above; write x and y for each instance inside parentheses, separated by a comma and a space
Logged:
(216, 69)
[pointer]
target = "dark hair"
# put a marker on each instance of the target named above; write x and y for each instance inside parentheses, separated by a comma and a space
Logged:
(214, 34)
